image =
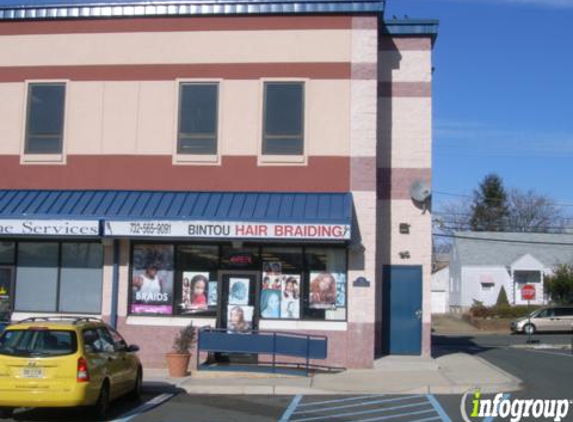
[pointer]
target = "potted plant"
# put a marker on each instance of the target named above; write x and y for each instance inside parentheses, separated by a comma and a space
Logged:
(178, 358)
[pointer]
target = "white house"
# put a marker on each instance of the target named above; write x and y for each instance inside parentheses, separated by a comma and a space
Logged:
(440, 284)
(483, 262)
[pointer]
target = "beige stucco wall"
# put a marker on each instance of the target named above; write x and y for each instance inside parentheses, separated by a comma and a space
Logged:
(405, 66)
(140, 117)
(276, 46)
(405, 132)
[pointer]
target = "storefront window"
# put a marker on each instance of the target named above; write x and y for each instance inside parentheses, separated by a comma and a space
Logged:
(7, 252)
(280, 288)
(81, 277)
(152, 279)
(196, 282)
(240, 258)
(325, 287)
(59, 277)
(37, 277)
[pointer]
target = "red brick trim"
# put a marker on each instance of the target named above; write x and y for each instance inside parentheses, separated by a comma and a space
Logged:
(175, 24)
(395, 183)
(149, 72)
(236, 173)
(363, 173)
(405, 89)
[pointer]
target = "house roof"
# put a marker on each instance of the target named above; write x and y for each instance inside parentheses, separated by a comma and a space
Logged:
(495, 248)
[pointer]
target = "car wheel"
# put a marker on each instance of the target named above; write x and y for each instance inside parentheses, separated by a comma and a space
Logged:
(529, 329)
(101, 407)
(6, 412)
(136, 392)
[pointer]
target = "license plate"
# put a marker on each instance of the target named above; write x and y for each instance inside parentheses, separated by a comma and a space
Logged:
(32, 372)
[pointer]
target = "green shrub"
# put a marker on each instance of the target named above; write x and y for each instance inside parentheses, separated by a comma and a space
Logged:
(502, 298)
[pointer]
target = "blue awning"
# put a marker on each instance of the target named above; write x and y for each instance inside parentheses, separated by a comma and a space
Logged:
(184, 214)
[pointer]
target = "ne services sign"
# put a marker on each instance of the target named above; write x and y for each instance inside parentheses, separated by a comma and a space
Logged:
(50, 227)
(227, 230)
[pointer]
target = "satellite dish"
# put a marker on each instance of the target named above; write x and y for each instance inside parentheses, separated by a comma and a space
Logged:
(420, 191)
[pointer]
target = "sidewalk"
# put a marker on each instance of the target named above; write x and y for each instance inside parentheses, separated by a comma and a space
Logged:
(450, 374)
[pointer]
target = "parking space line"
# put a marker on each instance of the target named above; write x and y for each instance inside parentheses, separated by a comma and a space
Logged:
(339, 400)
(362, 403)
(291, 408)
(148, 405)
(364, 412)
(436, 405)
(382, 418)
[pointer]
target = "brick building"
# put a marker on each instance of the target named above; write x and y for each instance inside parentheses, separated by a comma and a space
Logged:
(167, 162)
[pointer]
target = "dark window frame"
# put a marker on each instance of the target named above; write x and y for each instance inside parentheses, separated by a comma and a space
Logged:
(28, 150)
(190, 136)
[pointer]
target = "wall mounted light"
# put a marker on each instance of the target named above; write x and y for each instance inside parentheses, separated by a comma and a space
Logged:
(404, 254)
(404, 228)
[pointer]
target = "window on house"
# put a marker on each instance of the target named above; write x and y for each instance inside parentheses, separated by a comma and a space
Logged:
(197, 133)
(487, 287)
(283, 120)
(45, 118)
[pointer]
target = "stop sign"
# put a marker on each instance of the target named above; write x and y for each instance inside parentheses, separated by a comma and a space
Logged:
(528, 292)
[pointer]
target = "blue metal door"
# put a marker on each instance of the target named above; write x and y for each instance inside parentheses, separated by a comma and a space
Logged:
(402, 309)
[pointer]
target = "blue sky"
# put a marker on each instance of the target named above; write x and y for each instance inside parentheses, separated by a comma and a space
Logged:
(503, 93)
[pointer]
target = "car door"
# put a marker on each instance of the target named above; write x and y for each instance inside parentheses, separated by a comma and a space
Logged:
(128, 363)
(543, 320)
(563, 319)
(113, 362)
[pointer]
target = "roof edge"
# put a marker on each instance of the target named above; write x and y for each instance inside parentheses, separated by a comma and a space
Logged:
(123, 9)
(411, 27)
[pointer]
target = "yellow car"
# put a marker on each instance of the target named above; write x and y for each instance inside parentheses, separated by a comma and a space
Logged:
(64, 362)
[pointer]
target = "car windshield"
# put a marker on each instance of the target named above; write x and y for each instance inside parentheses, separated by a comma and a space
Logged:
(38, 342)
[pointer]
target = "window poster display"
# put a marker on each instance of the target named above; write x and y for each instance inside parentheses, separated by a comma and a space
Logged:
(152, 285)
(290, 303)
(195, 291)
(239, 291)
(239, 319)
(212, 297)
(341, 290)
(270, 303)
(323, 290)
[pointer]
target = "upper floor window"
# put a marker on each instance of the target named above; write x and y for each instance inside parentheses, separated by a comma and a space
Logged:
(283, 121)
(197, 132)
(45, 118)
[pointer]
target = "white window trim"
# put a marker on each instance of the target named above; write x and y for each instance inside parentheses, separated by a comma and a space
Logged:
(45, 158)
(198, 159)
(273, 160)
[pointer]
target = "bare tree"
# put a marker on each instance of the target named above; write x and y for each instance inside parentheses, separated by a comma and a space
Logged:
(530, 211)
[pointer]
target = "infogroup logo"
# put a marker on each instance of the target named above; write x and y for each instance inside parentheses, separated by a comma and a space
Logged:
(502, 406)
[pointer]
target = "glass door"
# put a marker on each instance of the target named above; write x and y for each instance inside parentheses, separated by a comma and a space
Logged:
(5, 293)
(239, 296)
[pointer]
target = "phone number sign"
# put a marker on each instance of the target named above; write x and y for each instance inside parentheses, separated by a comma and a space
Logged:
(232, 230)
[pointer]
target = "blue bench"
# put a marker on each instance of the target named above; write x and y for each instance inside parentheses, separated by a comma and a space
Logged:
(263, 343)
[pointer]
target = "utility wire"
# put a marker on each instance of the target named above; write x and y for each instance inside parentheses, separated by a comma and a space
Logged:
(489, 239)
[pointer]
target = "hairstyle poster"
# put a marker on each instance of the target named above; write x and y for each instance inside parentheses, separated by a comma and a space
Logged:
(272, 271)
(322, 291)
(194, 290)
(212, 295)
(271, 303)
(152, 279)
(238, 291)
(290, 296)
(239, 319)
(340, 290)
(272, 267)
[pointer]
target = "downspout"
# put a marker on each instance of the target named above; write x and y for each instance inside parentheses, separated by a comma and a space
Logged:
(114, 284)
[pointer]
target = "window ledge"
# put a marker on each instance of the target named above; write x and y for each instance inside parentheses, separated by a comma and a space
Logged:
(270, 160)
(190, 159)
(42, 159)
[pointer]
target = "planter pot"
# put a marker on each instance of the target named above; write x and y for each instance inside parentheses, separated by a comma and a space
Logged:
(177, 364)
